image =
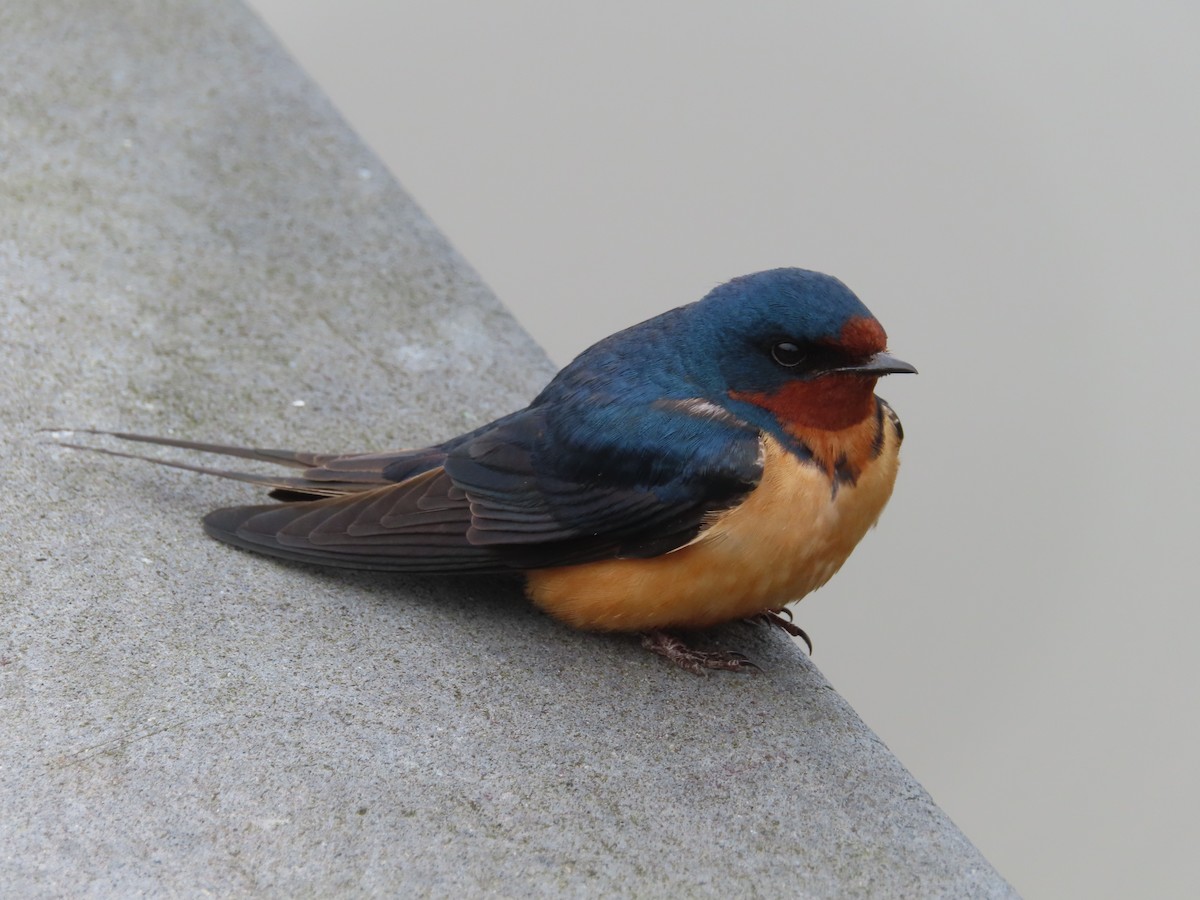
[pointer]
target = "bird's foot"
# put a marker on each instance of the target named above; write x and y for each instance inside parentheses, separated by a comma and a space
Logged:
(776, 617)
(695, 661)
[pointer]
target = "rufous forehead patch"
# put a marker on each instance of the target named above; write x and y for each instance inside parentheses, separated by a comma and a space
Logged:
(862, 336)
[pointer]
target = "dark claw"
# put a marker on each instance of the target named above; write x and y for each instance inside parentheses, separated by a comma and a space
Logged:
(773, 617)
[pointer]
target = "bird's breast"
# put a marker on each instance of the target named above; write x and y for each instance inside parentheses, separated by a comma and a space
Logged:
(787, 538)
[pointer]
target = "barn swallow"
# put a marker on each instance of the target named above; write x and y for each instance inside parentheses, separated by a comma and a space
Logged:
(713, 463)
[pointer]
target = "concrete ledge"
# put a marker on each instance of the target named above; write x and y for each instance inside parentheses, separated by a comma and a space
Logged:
(194, 243)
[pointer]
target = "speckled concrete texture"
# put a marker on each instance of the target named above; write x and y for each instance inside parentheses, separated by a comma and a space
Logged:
(193, 243)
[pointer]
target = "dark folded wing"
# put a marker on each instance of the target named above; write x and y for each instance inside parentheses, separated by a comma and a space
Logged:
(531, 490)
(418, 525)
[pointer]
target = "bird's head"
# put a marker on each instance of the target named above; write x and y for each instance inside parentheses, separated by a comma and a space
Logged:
(795, 344)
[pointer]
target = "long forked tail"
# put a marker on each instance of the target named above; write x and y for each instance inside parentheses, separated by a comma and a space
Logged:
(395, 511)
(286, 457)
(325, 475)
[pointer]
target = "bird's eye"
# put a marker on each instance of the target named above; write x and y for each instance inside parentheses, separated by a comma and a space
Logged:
(787, 354)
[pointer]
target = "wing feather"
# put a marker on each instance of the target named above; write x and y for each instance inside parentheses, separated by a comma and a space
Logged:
(551, 485)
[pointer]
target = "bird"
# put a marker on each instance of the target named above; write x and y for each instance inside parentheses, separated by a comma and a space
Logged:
(710, 464)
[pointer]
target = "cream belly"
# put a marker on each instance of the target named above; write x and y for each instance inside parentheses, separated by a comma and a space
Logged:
(786, 539)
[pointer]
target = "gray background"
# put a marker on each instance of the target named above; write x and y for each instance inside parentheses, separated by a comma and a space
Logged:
(1013, 191)
(193, 242)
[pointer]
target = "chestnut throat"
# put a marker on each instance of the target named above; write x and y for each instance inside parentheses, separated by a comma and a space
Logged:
(836, 420)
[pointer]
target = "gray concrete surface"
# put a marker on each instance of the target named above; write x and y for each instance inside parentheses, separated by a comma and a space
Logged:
(193, 243)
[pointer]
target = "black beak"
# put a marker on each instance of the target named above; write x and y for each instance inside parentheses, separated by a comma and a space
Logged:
(880, 364)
